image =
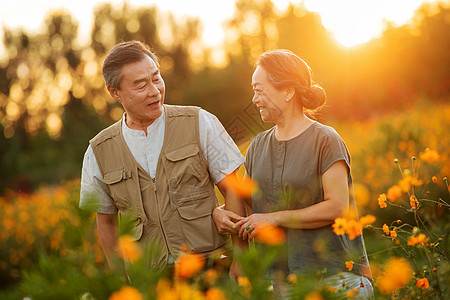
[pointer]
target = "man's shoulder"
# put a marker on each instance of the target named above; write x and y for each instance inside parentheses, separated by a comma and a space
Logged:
(180, 110)
(106, 134)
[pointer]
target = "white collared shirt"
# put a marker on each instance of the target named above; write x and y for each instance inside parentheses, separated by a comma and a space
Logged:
(219, 149)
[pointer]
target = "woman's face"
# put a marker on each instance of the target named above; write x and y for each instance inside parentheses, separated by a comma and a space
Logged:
(270, 101)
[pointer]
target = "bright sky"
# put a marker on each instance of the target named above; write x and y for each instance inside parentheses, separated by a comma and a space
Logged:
(351, 21)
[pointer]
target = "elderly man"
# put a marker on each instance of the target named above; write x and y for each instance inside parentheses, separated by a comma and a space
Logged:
(158, 165)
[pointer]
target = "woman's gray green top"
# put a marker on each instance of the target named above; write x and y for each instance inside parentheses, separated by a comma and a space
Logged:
(289, 175)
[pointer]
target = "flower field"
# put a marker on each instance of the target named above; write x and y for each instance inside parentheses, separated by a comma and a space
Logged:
(49, 248)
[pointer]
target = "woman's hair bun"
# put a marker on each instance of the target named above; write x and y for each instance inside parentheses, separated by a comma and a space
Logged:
(314, 97)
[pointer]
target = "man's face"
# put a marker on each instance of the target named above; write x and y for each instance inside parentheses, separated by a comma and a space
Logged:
(141, 93)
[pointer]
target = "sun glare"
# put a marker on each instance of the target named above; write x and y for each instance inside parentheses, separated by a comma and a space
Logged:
(354, 22)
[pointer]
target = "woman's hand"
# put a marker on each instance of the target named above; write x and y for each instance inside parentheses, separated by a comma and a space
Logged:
(248, 227)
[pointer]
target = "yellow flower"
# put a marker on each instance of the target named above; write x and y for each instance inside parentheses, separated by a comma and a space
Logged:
(188, 265)
(434, 179)
(420, 239)
(429, 156)
(393, 234)
(340, 226)
(128, 248)
(423, 283)
(349, 265)
(354, 228)
(270, 234)
(242, 186)
(367, 220)
(386, 229)
(398, 273)
(394, 192)
(215, 294)
(126, 293)
(313, 296)
(382, 200)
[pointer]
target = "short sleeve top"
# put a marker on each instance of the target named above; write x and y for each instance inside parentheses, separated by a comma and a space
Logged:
(289, 174)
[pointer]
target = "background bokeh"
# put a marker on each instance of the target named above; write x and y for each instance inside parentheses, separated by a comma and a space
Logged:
(388, 98)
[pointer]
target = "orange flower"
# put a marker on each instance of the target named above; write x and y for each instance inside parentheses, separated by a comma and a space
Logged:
(242, 186)
(386, 229)
(398, 273)
(292, 278)
(211, 276)
(393, 234)
(331, 289)
(399, 221)
(413, 240)
(313, 296)
(429, 156)
(270, 234)
(188, 265)
(394, 192)
(340, 226)
(349, 265)
(382, 200)
(126, 292)
(354, 229)
(128, 248)
(352, 294)
(245, 284)
(367, 220)
(413, 201)
(215, 294)
(434, 179)
(423, 283)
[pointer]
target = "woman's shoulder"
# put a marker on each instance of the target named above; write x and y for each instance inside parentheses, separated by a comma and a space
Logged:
(325, 131)
(263, 136)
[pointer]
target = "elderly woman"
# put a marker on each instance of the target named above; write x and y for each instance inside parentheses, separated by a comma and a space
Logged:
(303, 170)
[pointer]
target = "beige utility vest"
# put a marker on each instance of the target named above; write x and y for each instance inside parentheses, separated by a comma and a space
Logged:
(173, 210)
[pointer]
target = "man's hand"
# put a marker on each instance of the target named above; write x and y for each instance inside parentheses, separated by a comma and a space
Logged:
(225, 220)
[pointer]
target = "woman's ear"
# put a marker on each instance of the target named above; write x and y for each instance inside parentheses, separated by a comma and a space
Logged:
(290, 93)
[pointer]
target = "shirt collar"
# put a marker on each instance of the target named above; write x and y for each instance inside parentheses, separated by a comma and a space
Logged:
(135, 132)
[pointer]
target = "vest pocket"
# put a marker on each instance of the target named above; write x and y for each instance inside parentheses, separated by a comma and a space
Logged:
(185, 167)
(117, 187)
(198, 226)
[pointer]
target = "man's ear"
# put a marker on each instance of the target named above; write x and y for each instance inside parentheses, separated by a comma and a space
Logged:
(114, 92)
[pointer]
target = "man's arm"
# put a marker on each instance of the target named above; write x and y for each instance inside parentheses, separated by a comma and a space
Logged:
(107, 232)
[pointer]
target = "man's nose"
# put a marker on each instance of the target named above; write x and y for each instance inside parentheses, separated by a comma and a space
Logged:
(153, 90)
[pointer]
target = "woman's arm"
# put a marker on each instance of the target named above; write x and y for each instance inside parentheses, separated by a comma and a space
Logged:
(335, 204)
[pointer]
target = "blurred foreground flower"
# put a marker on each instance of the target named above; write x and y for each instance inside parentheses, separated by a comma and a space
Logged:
(215, 294)
(313, 296)
(270, 234)
(423, 283)
(397, 273)
(367, 220)
(126, 293)
(429, 156)
(242, 186)
(128, 248)
(420, 239)
(245, 284)
(394, 192)
(188, 265)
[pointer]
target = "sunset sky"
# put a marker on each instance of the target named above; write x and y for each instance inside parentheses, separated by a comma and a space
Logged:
(351, 21)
